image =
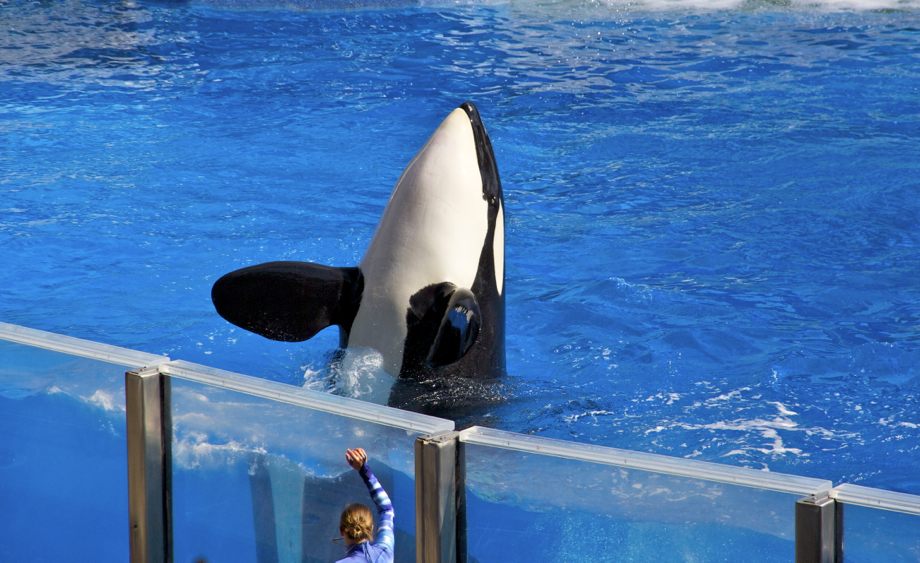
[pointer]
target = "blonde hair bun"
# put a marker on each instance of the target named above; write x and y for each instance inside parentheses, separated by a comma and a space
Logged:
(357, 523)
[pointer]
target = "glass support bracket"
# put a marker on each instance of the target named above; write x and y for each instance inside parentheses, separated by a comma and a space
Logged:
(439, 494)
(818, 530)
(149, 434)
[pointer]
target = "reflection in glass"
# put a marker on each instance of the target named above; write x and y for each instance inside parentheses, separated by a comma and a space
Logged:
(261, 480)
(545, 508)
(63, 467)
(872, 535)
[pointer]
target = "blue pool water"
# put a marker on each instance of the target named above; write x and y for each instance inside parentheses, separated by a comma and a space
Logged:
(712, 209)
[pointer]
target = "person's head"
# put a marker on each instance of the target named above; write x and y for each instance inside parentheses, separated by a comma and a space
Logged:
(356, 524)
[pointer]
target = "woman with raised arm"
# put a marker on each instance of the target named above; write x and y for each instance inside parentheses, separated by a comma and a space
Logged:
(357, 523)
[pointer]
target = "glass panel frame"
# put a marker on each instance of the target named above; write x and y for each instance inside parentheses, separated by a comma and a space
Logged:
(315, 400)
(259, 468)
(695, 469)
(547, 499)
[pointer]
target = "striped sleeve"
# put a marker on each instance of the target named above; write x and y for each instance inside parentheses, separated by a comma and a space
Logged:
(385, 537)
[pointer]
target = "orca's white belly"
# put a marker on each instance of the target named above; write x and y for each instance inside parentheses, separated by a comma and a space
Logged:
(432, 231)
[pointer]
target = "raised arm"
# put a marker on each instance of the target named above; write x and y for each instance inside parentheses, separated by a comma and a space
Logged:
(357, 459)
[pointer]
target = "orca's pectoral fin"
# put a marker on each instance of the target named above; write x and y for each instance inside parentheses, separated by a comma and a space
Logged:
(443, 322)
(289, 301)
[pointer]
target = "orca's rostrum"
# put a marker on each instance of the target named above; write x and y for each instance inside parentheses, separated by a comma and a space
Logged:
(428, 295)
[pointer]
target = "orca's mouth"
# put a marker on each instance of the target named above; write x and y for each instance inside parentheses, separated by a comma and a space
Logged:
(491, 184)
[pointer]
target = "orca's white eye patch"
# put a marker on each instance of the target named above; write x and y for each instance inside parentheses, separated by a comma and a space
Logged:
(498, 249)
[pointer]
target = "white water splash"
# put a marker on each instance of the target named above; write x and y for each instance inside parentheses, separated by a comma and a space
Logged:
(359, 374)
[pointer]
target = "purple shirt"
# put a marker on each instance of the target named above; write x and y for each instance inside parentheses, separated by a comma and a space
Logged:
(380, 551)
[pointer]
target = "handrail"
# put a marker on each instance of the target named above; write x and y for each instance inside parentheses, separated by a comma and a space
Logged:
(695, 469)
(79, 347)
(876, 498)
(343, 406)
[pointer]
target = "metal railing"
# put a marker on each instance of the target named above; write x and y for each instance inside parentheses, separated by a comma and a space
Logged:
(449, 466)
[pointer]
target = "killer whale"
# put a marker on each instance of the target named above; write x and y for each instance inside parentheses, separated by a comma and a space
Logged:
(428, 295)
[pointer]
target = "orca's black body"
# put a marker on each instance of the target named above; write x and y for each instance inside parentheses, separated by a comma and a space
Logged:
(429, 292)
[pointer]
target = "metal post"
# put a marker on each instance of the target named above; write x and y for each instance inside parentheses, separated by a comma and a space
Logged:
(461, 502)
(436, 498)
(149, 430)
(818, 530)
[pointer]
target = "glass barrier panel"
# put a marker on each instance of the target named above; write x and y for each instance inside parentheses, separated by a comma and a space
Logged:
(264, 478)
(879, 526)
(63, 465)
(535, 499)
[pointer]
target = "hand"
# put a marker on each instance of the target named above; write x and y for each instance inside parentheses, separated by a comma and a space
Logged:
(356, 458)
